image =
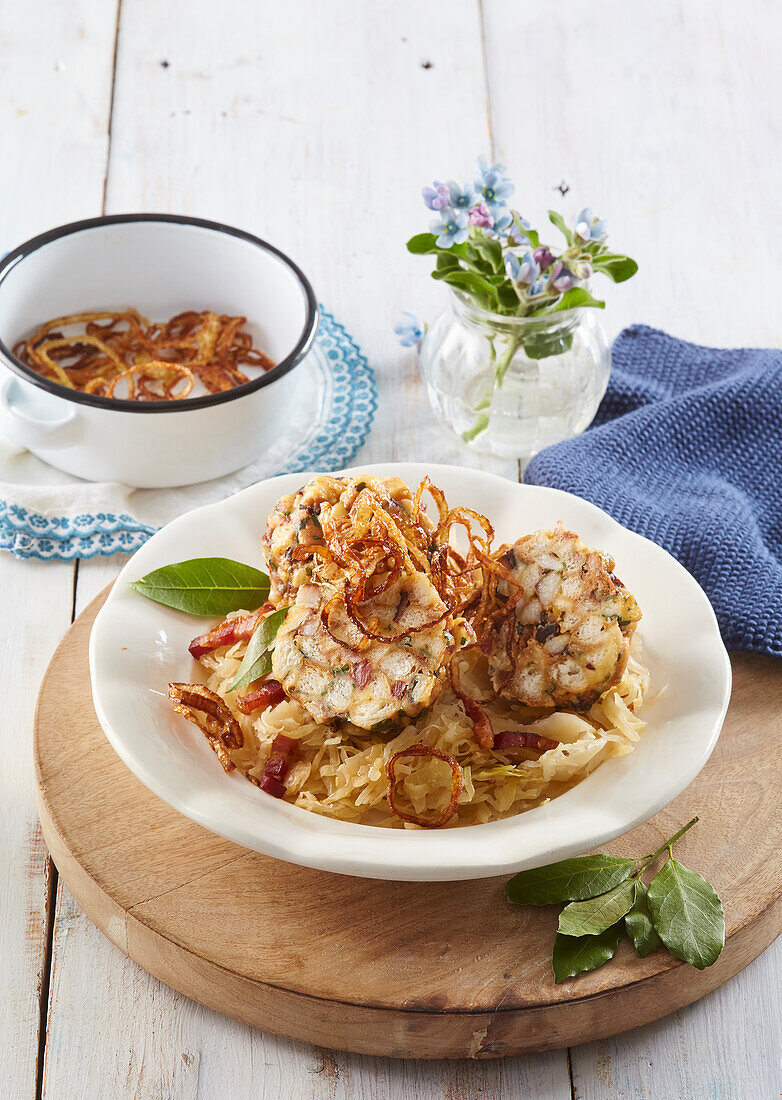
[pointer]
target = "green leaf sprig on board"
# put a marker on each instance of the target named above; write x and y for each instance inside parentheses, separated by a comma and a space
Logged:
(206, 586)
(607, 898)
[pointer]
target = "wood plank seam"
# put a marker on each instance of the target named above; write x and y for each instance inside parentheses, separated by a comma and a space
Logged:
(486, 83)
(111, 108)
(52, 879)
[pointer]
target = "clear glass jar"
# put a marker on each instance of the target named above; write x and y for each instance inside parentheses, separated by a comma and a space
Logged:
(510, 386)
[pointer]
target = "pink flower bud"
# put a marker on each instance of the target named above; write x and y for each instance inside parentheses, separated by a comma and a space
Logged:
(544, 257)
(480, 216)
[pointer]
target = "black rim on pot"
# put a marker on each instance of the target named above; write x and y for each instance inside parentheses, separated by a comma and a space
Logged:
(303, 344)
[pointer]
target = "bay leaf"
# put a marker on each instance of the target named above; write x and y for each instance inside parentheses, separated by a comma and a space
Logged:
(687, 914)
(638, 923)
(205, 586)
(594, 915)
(576, 954)
(568, 880)
(257, 659)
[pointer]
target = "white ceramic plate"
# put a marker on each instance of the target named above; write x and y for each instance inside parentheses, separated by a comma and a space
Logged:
(138, 646)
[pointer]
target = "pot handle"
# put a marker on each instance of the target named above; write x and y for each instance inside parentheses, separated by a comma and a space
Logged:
(25, 425)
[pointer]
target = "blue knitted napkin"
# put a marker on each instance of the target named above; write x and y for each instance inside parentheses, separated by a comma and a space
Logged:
(686, 448)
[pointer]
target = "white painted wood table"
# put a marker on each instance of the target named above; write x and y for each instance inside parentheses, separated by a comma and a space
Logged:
(315, 124)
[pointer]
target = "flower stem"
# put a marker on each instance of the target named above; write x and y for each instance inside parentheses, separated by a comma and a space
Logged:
(505, 359)
(480, 425)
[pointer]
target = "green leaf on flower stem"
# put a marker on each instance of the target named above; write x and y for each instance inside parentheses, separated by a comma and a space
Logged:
(490, 249)
(257, 658)
(530, 234)
(205, 586)
(568, 880)
(471, 283)
(557, 220)
(422, 243)
(477, 263)
(575, 954)
(574, 298)
(508, 298)
(594, 915)
(616, 267)
(687, 914)
(638, 923)
(446, 261)
(541, 345)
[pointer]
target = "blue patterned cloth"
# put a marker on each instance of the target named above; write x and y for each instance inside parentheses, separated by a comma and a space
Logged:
(47, 514)
(686, 449)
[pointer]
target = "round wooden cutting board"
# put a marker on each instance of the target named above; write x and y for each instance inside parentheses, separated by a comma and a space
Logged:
(424, 970)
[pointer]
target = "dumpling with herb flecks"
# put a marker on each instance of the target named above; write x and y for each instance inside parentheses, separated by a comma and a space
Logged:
(565, 636)
(335, 671)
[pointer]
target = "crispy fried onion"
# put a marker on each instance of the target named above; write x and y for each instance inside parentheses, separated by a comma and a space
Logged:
(371, 541)
(153, 359)
(481, 689)
(456, 785)
(493, 606)
(481, 723)
(168, 375)
(212, 716)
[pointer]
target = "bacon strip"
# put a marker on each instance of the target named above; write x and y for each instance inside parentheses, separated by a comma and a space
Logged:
(482, 727)
(277, 764)
(519, 740)
(229, 632)
(269, 694)
(361, 672)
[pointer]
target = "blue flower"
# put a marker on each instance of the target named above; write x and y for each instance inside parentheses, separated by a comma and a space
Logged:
(524, 270)
(437, 197)
(503, 222)
(538, 286)
(590, 228)
(411, 331)
(529, 270)
(453, 228)
(484, 168)
(561, 278)
(494, 189)
(515, 236)
(461, 198)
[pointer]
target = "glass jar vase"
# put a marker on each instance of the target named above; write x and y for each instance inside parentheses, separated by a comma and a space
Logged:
(510, 386)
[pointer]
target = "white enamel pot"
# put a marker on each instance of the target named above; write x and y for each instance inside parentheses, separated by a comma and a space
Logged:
(161, 264)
